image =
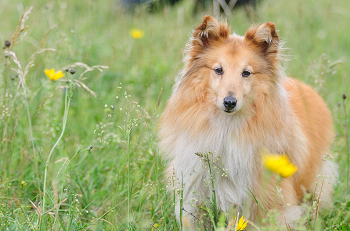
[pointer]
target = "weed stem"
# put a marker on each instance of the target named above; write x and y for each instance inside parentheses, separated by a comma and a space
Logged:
(129, 190)
(216, 218)
(347, 142)
(65, 116)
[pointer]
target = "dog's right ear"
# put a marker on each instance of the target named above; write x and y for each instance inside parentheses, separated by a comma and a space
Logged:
(210, 31)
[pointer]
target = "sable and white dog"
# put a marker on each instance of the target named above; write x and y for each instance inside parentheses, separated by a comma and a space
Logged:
(234, 100)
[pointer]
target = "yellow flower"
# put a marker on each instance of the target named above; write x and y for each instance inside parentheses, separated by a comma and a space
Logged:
(155, 227)
(53, 75)
(136, 33)
(242, 223)
(23, 183)
(279, 164)
(288, 170)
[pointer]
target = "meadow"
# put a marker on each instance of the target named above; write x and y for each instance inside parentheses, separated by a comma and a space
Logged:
(81, 153)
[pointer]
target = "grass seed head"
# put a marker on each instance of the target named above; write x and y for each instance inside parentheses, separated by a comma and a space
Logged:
(7, 43)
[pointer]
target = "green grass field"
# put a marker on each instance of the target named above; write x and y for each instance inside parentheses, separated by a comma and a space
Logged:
(95, 160)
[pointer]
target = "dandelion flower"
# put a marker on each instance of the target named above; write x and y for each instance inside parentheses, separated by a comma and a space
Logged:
(137, 34)
(279, 164)
(288, 170)
(53, 75)
(23, 183)
(242, 223)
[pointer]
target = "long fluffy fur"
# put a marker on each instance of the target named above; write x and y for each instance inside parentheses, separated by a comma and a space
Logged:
(276, 113)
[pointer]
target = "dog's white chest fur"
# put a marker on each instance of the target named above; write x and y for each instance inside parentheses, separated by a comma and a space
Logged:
(230, 160)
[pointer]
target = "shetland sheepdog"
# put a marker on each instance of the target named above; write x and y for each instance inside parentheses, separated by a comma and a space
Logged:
(232, 101)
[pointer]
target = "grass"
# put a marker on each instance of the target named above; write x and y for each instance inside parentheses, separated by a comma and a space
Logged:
(105, 172)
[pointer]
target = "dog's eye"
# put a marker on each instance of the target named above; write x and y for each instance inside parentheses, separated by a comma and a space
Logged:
(246, 73)
(219, 71)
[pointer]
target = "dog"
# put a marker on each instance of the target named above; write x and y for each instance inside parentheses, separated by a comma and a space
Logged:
(233, 100)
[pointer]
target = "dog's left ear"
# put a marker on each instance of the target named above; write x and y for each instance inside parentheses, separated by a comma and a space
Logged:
(263, 37)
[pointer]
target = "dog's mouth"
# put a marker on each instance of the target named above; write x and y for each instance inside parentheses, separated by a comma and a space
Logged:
(229, 111)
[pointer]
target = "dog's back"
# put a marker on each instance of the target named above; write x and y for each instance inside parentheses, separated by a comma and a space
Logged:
(317, 124)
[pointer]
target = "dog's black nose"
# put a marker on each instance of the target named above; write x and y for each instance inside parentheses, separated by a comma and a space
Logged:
(230, 102)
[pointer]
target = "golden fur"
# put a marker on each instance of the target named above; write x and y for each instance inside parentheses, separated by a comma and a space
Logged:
(273, 112)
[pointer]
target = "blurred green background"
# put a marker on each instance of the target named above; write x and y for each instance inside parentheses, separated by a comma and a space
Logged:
(119, 184)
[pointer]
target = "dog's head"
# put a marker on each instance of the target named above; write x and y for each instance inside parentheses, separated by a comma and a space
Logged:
(230, 70)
